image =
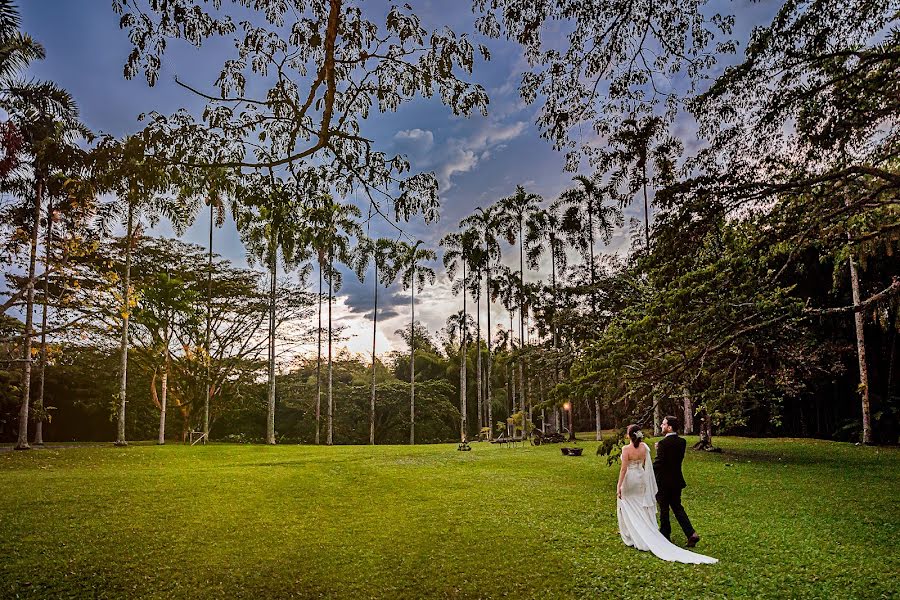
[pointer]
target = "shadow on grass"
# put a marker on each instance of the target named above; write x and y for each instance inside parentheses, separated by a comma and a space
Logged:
(801, 454)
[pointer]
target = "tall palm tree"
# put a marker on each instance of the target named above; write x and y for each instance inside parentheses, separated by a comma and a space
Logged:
(517, 208)
(140, 184)
(506, 286)
(459, 248)
(17, 49)
(45, 120)
(585, 217)
(333, 227)
(75, 200)
(413, 274)
(545, 233)
(215, 198)
(213, 186)
(489, 223)
(480, 394)
(636, 144)
(382, 254)
(267, 214)
(476, 268)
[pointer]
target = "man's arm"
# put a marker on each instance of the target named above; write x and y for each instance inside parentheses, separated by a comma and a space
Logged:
(660, 455)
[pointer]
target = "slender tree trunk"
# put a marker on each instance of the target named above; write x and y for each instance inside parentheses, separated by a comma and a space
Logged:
(374, 334)
(525, 412)
(657, 418)
(510, 402)
(553, 286)
(591, 255)
(270, 414)
(164, 396)
(516, 393)
(526, 405)
(571, 422)
(597, 417)
(319, 363)
(861, 353)
(646, 210)
(478, 382)
(541, 399)
(412, 363)
(22, 442)
(39, 401)
(688, 412)
(706, 435)
(892, 364)
(463, 423)
(513, 371)
(487, 397)
(522, 398)
(126, 317)
(209, 386)
(330, 435)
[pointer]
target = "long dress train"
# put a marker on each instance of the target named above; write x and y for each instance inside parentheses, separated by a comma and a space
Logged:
(637, 515)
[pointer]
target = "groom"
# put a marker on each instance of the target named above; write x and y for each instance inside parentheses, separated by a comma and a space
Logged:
(670, 481)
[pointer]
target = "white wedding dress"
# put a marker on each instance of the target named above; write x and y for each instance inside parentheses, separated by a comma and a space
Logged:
(637, 515)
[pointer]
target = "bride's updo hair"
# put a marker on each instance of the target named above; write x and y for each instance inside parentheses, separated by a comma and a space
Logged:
(636, 435)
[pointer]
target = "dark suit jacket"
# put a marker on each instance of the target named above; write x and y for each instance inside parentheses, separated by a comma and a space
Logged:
(667, 465)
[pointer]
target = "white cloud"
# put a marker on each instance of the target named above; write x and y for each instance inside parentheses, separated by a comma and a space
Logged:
(496, 133)
(463, 155)
(414, 141)
(458, 161)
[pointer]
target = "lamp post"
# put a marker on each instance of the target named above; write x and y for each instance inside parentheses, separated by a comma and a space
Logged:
(567, 408)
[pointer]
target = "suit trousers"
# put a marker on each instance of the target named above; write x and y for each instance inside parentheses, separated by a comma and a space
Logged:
(671, 498)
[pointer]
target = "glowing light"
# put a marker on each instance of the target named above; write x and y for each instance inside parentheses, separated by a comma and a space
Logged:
(567, 406)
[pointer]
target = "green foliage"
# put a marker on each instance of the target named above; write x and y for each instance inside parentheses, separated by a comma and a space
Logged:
(611, 447)
(612, 61)
(437, 416)
(297, 96)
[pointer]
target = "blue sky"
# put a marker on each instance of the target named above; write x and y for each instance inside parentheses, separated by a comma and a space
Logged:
(477, 160)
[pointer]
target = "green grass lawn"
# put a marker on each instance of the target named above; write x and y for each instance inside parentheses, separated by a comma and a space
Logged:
(786, 518)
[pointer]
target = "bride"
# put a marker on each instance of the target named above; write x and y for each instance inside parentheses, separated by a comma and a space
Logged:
(636, 505)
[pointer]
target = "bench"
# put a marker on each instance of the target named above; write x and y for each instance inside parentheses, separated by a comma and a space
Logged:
(509, 441)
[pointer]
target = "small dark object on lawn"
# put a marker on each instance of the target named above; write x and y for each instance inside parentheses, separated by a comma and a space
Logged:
(464, 447)
(572, 451)
(546, 438)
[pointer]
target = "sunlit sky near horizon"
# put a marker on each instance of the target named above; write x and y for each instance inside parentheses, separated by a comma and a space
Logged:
(477, 160)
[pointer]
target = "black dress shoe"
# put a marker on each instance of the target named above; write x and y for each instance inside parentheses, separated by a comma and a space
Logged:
(692, 541)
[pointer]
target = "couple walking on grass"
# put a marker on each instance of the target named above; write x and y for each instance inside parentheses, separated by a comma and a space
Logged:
(643, 483)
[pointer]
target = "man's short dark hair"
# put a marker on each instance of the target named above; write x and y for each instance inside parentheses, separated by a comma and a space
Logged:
(673, 422)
